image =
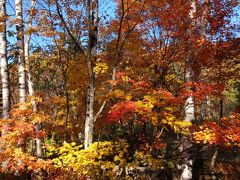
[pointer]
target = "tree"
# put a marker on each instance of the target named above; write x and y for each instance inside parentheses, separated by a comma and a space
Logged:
(189, 107)
(39, 152)
(92, 10)
(4, 64)
(26, 53)
(20, 52)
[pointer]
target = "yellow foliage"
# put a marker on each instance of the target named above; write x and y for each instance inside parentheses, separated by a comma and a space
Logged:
(144, 106)
(125, 78)
(118, 93)
(150, 99)
(147, 159)
(177, 125)
(128, 97)
(100, 68)
(92, 161)
(170, 77)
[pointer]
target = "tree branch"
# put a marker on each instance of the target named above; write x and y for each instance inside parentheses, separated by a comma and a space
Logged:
(79, 48)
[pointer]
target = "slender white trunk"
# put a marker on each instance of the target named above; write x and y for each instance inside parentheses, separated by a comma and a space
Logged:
(39, 152)
(189, 104)
(4, 64)
(26, 53)
(4, 78)
(213, 160)
(187, 160)
(92, 52)
(94, 26)
(89, 121)
(20, 46)
(205, 108)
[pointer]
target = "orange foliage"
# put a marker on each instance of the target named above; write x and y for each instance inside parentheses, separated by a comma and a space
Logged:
(226, 132)
(17, 133)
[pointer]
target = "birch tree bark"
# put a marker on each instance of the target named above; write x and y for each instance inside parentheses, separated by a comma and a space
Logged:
(187, 159)
(39, 151)
(4, 64)
(190, 77)
(4, 74)
(91, 54)
(26, 53)
(20, 48)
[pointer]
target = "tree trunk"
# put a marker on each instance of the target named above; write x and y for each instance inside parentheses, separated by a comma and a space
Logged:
(206, 108)
(89, 122)
(115, 60)
(187, 159)
(20, 47)
(4, 78)
(91, 54)
(186, 145)
(39, 152)
(4, 64)
(67, 106)
(26, 53)
(189, 104)
(221, 108)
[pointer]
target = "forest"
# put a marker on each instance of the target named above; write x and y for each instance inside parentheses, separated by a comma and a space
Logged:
(120, 89)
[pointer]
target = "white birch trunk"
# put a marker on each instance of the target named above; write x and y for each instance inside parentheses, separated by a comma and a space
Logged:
(189, 104)
(94, 28)
(89, 121)
(20, 47)
(26, 53)
(39, 152)
(187, 161)
(92, 51)
(205, 108)
(4, 64)
(4, 77)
